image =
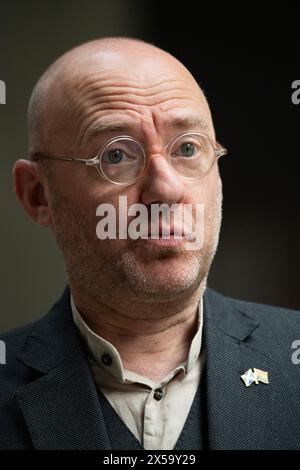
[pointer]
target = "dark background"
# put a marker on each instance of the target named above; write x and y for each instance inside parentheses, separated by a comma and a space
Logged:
(245, 60)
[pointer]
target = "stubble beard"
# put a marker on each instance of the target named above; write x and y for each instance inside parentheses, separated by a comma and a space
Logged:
(190, 274)
(103, 272)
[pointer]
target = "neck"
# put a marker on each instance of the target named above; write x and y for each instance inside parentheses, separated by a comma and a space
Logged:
(151, 338)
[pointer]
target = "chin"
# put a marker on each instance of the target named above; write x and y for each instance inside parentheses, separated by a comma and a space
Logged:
(161, 279)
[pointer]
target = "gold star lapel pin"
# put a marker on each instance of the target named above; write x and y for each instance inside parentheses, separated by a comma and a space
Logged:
(256, 376)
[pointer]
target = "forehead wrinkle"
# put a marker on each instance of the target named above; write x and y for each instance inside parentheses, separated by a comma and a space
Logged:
(88, 117)
(115, 100)
(96, 93)
(111, 93)
(83, 110)
(189, 122)
(108, 81)
(105, 87)
(90, 91)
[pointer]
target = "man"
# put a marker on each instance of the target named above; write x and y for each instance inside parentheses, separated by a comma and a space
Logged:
(138, 353)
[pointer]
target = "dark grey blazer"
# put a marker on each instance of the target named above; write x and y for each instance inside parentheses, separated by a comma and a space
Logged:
(48, 399)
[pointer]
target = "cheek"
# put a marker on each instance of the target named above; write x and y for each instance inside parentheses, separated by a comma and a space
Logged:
(87, 193)
(205, 191)
(209, 193)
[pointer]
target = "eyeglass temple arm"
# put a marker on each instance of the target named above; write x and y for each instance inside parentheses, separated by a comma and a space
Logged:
(90, 162)
(221, 152)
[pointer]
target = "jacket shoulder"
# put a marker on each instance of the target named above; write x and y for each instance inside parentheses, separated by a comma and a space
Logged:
(259, 310)
(14, 339)
(277, 327)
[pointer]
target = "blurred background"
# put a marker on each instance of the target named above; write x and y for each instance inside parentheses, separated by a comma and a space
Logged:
(245, 60)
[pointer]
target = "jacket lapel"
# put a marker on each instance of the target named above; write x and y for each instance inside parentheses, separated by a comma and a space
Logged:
(61, 407)
(240, 417)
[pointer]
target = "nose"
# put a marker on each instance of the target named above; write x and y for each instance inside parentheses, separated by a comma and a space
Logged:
(161, 182)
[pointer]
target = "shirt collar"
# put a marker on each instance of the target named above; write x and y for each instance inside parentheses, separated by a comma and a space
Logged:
(100, 349)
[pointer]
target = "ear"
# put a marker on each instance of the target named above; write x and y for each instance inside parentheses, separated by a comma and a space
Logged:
(29, 186)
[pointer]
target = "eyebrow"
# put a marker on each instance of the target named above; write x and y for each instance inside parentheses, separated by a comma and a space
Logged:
(104, 126)
(181, 122)
(189, 121)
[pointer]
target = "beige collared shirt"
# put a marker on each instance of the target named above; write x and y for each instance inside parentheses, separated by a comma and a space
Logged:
(154, 412)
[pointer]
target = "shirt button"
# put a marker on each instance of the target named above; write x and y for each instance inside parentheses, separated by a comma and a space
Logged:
(158, 394)
(106, 359)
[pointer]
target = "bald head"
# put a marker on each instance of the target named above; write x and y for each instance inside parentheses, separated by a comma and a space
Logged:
(93, 72)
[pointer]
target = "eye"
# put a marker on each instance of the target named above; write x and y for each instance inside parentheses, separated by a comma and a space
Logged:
(113, 156)
(186, 149)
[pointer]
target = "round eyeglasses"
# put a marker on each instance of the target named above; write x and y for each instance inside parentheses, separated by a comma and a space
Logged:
(122, 160)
